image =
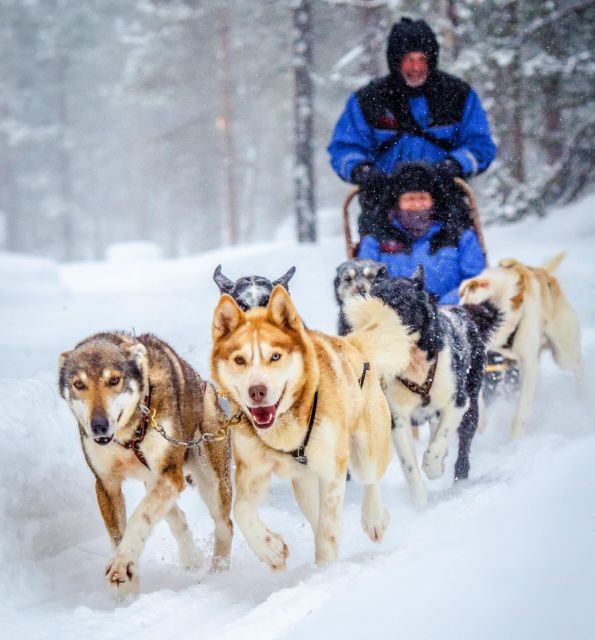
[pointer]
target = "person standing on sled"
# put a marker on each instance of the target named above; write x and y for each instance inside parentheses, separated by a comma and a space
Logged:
(415, 226)
(417, 112)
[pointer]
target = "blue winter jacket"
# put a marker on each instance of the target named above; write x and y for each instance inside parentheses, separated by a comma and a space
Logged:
(444, 270)
(448, 109)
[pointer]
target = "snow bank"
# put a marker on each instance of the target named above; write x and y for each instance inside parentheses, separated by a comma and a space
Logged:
(507, 554)
(24, 276)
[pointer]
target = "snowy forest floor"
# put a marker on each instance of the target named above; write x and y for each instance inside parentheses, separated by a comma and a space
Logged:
(508, 554)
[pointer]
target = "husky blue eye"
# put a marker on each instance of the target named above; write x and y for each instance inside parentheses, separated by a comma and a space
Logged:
(275, 357)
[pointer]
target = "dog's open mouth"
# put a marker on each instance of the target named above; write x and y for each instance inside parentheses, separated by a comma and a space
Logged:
(103, 440)
(265, 416)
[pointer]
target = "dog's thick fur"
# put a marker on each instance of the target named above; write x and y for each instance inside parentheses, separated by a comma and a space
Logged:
(250, 291)
(536, 315)
(103, 380)
(454, 338)
(354, 278)
(272, 367)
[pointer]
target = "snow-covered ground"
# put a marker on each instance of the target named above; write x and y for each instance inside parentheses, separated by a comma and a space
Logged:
(509, 554)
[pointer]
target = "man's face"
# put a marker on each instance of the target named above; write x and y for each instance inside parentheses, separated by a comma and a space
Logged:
(414, 68)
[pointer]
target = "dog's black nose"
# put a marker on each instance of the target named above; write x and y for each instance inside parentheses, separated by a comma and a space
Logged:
(99, 426)
(257, 392)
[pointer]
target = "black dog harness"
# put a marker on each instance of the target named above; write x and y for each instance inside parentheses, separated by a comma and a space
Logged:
(511, 337)
(299, 454)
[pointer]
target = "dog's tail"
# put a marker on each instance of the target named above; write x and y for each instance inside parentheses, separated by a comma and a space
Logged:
(379, 334)
(551, 264)
(486, 316)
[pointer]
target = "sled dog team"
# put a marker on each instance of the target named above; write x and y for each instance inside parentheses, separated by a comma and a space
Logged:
(306, 406)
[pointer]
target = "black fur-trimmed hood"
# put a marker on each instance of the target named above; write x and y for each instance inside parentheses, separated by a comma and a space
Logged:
(446, 96)
(407, 36)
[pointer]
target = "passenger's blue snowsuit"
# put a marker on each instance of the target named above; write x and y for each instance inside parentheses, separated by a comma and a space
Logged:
(444, 269)
(445, 107)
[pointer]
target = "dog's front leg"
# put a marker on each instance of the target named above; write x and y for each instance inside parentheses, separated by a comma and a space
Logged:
(433, 462)
(157, 502)
(305, 489)
(112, 508)
(189, 554)
(331, 494)
(466, 431)
(251, 487)
(403, 439)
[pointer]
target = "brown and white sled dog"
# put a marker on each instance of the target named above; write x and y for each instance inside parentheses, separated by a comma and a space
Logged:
(536, 315)
(305, 415)
(105, 380)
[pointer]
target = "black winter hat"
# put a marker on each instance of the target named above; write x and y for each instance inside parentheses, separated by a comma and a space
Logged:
(411, 35)
(412, 176)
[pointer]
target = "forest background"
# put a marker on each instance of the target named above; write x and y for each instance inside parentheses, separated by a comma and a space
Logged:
(174, 121)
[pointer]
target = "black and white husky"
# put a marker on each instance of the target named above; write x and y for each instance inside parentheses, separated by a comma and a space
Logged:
(439, 379)
(250, 291)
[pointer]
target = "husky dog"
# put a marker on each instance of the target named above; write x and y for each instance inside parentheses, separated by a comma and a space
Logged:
(110, 382)
(250, 291)
(536, 315)
(440, 379)
(354, 278)
(310, 404)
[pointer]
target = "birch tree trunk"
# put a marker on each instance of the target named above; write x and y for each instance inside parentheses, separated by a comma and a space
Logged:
(304, 121)
(65, 186)
(230, 222)
(374, 25)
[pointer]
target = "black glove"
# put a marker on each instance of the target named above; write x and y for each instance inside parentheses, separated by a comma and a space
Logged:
(446, 171)
(449, 169)
(367, 176)
(372, 184)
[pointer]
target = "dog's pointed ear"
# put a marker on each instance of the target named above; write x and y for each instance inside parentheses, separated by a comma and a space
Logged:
(224, 283)
(226, 318)
(473, 284)
(419, 277)
(62, 359)
(61, 373)
(280, 310)
(136, 352)
(508, 263)
(284, 279)
(382, 273)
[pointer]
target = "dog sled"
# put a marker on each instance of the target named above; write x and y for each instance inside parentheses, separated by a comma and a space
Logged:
(501, 372)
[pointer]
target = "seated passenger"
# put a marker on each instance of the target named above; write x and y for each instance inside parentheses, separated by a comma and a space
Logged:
(415, 225)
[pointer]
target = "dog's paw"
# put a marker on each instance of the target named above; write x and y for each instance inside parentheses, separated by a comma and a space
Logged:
(375, 524)
(219, 564)
(419, 495)
(273, 551)
(518, 430)
(433, 464)
(121, 573)
(191, 557)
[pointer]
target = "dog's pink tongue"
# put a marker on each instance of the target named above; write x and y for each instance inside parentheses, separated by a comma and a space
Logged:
(263, 416)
